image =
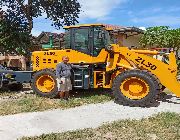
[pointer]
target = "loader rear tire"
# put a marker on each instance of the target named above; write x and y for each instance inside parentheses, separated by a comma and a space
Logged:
(136, 88)
(44, 83)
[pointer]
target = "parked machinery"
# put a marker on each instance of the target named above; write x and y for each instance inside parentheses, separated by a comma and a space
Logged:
(134, 76)
(8, 80)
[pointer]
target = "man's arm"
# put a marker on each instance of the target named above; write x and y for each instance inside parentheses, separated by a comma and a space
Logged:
(79, 66)
(75, 66)
(58, 70)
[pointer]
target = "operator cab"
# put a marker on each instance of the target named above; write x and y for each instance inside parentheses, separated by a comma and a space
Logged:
(89, 39)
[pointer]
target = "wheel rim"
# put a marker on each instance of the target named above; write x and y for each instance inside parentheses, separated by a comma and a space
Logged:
(45, 83)
(134, 88)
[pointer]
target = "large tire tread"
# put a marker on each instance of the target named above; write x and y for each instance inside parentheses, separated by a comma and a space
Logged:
(51, 94)
(147, 101)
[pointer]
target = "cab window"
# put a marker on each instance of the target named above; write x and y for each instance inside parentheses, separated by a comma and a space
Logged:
(99, 43)
(67, 40)
(81, 40)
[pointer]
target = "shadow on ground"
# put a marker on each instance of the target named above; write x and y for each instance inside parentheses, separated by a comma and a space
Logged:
(81, 93)
(163, 97)
(90, 92)
(169, 98)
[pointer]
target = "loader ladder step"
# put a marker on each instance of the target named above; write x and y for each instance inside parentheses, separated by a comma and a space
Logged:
(79, 79)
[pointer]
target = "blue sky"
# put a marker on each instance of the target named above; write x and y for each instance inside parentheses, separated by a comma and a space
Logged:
(139, 13)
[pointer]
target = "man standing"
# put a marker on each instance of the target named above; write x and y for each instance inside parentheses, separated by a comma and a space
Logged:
(63, 73)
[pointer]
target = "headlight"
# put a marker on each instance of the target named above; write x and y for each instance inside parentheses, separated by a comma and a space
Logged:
(8, 75)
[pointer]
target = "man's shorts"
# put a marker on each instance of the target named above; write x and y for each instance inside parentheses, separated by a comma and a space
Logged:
(64, 84)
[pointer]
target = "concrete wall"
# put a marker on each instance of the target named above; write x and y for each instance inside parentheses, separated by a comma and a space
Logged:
(131, 41)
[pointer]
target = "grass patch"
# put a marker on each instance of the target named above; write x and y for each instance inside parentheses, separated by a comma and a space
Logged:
(33, 103)
(164, 126)
(7, 94)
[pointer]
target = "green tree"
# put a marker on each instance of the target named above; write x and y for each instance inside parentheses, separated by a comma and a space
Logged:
(13, 37)
(162, 36)
(60, 12)
(16, 22)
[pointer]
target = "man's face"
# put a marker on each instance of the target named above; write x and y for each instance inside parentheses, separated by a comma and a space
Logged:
(65, 59)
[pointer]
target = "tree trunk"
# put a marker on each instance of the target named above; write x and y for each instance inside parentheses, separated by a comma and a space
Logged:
(29, 15)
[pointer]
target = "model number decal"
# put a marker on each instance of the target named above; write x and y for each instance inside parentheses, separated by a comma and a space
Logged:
(49, 53)
(146, 64)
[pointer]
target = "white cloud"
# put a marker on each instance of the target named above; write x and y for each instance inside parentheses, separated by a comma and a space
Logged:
(173, 9)
(35, 32)
(58, 31)
(142, 28)
(4, 8)
(148, 11)
(130, 13)
(26, 2)
(157, 9)
(158, 20)
(98, 9)
(156, 16)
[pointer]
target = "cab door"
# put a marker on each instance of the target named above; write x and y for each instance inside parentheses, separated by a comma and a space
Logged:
(99, 41)
(81, 40)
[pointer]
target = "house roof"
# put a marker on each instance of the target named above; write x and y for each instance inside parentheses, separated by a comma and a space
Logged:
(109, 27)
(128, 30)
(47, 34)
(43, 38)
(83, 25)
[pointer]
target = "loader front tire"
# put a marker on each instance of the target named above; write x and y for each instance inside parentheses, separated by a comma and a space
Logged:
(136, 88)
(44, 83)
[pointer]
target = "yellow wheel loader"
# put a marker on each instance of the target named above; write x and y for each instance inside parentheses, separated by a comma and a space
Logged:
(135, 77)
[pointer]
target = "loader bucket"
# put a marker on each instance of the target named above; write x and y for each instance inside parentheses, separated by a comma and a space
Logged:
(167, 74)
(172, 82)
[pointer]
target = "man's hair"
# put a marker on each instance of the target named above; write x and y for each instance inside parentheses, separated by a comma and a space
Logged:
(65, 57)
